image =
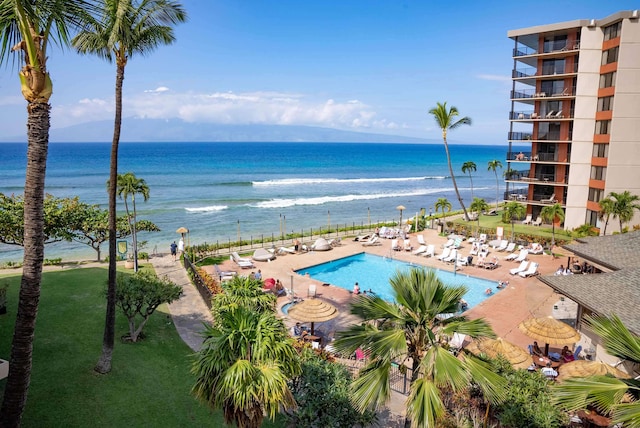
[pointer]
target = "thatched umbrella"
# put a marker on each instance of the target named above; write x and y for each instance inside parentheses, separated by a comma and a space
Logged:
(550, 331)
(586, 368)
(518, 357)
(313, 311)
(400, 208)
(182, 231)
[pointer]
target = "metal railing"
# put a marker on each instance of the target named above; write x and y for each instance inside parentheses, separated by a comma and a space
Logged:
(519, 136)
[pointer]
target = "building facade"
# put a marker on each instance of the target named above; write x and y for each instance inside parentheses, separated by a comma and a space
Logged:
(574, 132)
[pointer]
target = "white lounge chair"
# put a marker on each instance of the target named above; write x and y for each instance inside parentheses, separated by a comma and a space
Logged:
(521, 268)
(285, 250)
(510, 247)
(407, 245)
(550, 200)
(224, 275)
(453, 256)
(503, 245)
(421, 249)
(395, 246)
(538, 221)
(512, 256)
(533, 270)
(312, 290)
(522, 256)
(262, 255)
(448, 244)
(242, 262)
(374, 240)
(431, 251)
(421, 240)
(321, 244)
(527, 220)
(483, 238)
(445, 253)
(536, 248)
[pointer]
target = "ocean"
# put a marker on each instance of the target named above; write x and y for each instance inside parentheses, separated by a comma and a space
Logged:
(220, 190)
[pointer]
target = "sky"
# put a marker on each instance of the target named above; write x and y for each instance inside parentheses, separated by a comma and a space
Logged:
(358, 65)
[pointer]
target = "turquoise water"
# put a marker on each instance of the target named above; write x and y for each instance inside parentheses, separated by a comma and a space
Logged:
(373, 273)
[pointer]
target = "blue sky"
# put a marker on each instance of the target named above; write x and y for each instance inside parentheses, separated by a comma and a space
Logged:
(361, 65)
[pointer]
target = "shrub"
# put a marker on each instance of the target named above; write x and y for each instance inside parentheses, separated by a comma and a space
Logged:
(210, 282)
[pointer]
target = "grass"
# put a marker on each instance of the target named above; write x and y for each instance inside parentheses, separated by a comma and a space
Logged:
(150, 381)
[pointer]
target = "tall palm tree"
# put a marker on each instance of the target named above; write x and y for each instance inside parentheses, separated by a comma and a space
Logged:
(410, 332)
(607, 207)
(28, 27)
(469, 167)
(125, 28)
(478, 205)
(551, 213)
(493, 166)
(244, 365)
(624, 207)
(512, 211)
(130, 185)
(446, 120)
(442, 204)
(604, 392)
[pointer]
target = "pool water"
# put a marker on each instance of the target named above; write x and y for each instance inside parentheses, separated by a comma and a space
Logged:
(373, 272)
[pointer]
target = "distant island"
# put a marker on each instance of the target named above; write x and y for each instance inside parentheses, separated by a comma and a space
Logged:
(175, 130)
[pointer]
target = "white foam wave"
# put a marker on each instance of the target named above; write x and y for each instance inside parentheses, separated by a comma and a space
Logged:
(298, 181)
(212, 208)
(283, 203)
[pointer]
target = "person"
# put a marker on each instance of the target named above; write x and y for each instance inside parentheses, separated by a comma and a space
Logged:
(258, 275)
(488, 291)
(463, 304)
(481, 260)
(296, 245)
(560, 271)
(549, 371)
(567, 355)
(181, 245)
(279, 288)
(297, 330)
(503, 284)
(535, 350)
(567, 271)
(174, 250)
(520, 156)
(356, 289)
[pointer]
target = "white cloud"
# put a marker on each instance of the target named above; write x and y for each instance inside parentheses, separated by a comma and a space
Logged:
(260, 107)
(494, 77)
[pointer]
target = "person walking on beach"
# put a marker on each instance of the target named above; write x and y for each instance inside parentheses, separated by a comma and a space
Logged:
(181, 245)
(174, 250)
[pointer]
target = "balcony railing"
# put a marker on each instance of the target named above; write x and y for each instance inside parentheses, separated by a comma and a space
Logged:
(551, 179)
(563, 46)
(519, 136)
(524, 51)
(514, 175)
(518, 156)
(533, 93)
(553, 136)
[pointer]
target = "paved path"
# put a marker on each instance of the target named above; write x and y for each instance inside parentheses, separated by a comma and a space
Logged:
(189, 313)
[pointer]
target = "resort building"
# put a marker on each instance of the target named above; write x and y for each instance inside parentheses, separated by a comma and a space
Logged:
(575, 116)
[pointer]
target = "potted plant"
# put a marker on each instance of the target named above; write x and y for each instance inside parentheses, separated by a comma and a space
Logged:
(129, 264)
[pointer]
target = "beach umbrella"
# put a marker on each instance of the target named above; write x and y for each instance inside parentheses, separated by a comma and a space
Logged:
(313, 311)
(550, 331)
(517, 356)
(182, 231)
(587, 368)
(400, 208)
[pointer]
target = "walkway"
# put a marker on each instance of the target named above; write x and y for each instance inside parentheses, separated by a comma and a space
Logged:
(189, 313)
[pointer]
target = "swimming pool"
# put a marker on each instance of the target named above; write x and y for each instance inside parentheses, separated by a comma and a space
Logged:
(373, 272)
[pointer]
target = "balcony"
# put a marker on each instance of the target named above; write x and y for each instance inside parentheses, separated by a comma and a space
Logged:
(550, 179)
(530, 115)
(534, 94)
(524, 51)
(519, 156)
(519, 136)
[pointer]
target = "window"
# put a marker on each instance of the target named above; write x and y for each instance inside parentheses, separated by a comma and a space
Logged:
(598, 172)
(610, 55)
(612, 31)
(600, 150)
(555, 43)
(592, 218)
(605, 103)
(553, 66)
(595, 195)
(603, 126)
(607, 80)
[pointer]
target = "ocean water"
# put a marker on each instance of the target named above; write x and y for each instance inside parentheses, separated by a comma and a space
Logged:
(220, 190)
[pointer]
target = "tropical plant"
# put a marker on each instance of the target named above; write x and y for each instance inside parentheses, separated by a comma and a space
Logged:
(585, 230)
(242, 291)
(130, 185)
(513, 211)
(607, 206)
(446, 120)
(125, 28)
(469, 167)
(410, 333)
(493, 165)
(624, 206)
(607, 394)
(551, 213)
(140, 294)
(244, 366)
(478, 205)
(442, 204)
(28, 27)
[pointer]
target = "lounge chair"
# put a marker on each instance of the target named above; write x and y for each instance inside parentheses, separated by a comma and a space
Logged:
(550, 200)
(550, 114)
(285, 250)
(362, 238)
(522, 256)
(527, 220)
(407, 245)
(448, 244)
(374, 240)
(453, 255)
(536, 248)
(312, 290)
(224, 275)
(512, 256)
(242, 262)
(395, 246)
(521, 268)
(431, 251)
(445, 253)
(420, 250)
(538, 221)
(503, 245)
(262, 255)
(482, 238)
(533, 270)
(421, 240)
(510, 247)
(321, 244)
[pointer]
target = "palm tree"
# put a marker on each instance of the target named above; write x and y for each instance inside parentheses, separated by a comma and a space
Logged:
(410, 332)
(550, 213)
(493, 166)
(130, 185)
(624, 206)
(469, 167)
(605, 392)
(607, 206)
(442, 203)
(247, 292)
(478, 205)
(244, 365)
(28, 27)
(446, 120)
(512, 211)
(125, 28)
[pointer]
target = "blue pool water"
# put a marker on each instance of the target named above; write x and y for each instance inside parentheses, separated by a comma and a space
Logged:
(373, 272)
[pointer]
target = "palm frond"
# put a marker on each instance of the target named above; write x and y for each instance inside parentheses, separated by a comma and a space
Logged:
(424, 405)
(371, 389)
(493, 385)
(617, 339)
(601, 391)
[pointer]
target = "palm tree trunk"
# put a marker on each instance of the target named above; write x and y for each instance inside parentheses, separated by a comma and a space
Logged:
(104, 363)
(135, 235)
(471, 181)
(606, 222)
(16, 389)
(497, 189)
(453, 177)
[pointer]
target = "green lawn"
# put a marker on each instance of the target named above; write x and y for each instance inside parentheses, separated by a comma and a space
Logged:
(150, 382)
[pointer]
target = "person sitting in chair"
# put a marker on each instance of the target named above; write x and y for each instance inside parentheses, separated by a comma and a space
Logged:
(535, 350)
(567, 355)
(549, 371)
